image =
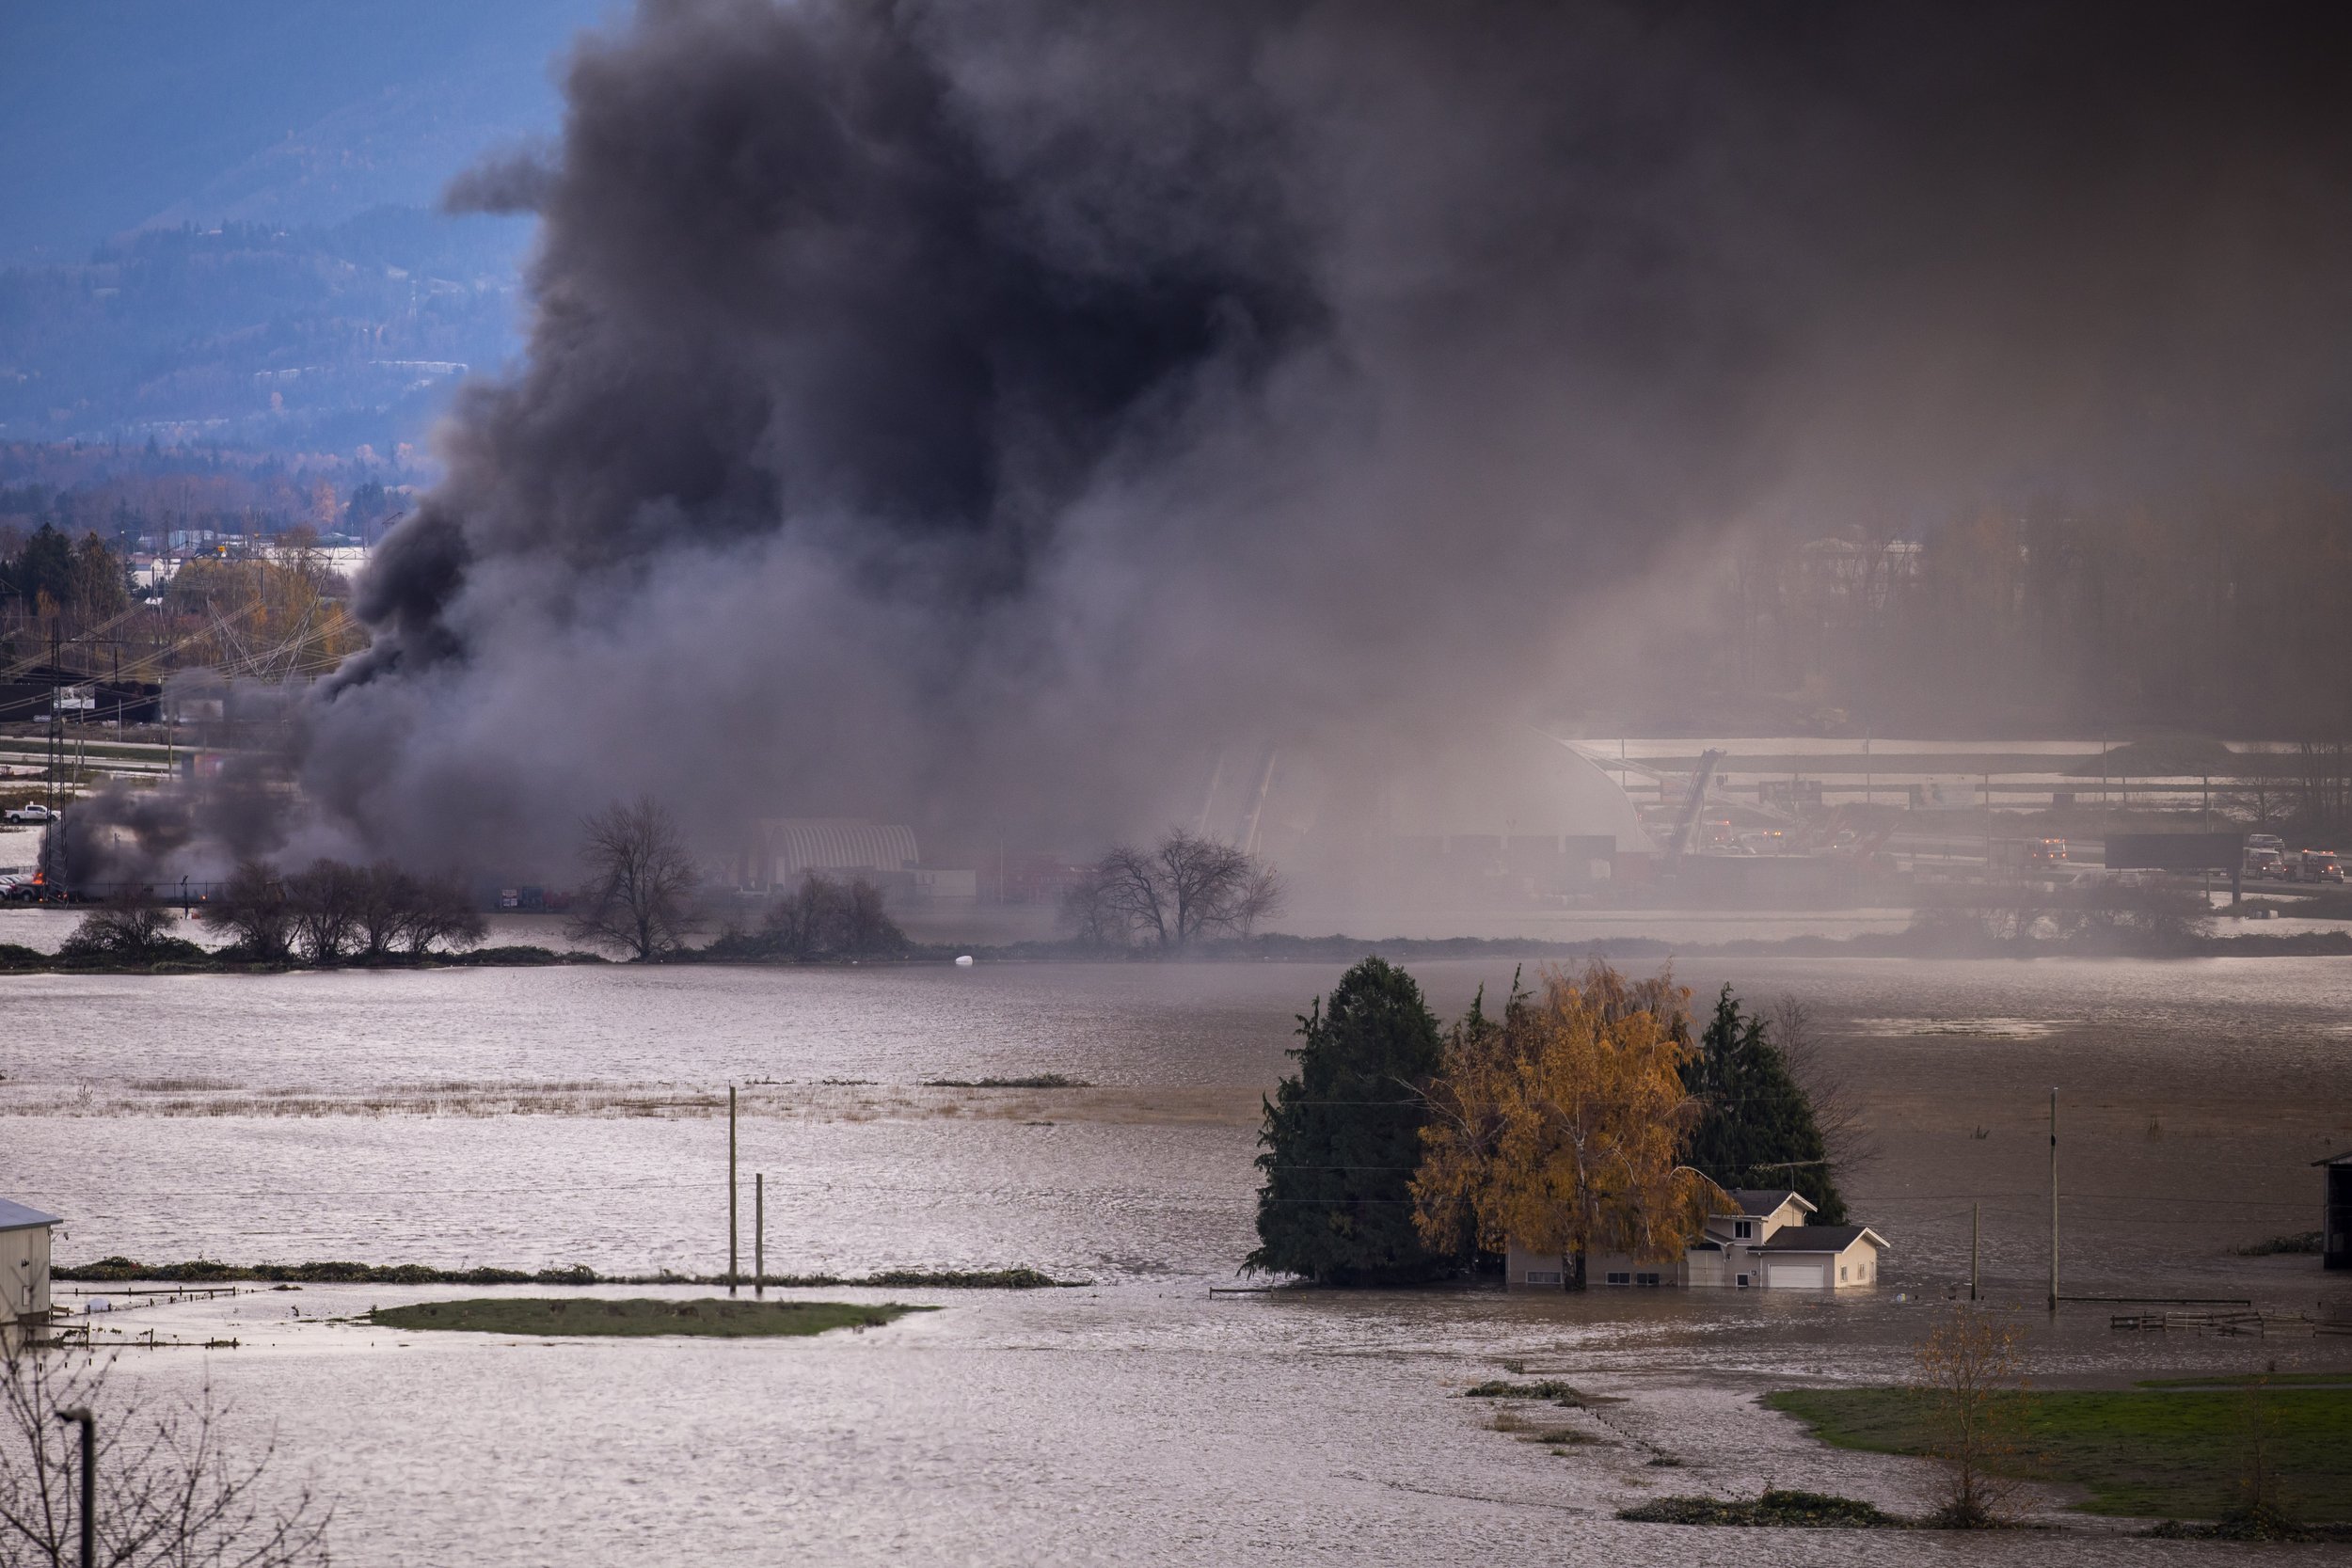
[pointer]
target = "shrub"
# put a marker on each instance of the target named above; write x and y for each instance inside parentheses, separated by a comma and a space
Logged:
(128, 930)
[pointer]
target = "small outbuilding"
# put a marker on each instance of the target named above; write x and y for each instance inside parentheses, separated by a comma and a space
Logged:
(23, 1267)
(2335, 1218)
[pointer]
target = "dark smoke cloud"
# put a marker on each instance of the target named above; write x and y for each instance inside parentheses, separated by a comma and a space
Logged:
(981, 413)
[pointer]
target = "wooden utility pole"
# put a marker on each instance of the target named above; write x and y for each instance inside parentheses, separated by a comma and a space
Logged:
(2054, 1222)
(759, 1233)
(1976, 1240)
(731, 1193)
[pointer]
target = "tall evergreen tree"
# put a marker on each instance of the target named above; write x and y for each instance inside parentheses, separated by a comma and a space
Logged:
(1343, 1138)
(1758, 1130)
(45, 565)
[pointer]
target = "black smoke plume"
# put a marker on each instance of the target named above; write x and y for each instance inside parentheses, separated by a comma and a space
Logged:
(981, 413)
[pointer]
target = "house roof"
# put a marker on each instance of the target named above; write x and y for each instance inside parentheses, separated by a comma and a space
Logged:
(2343, 1159)
(1763, 1200)
(1821, 1238)
(15, 1216)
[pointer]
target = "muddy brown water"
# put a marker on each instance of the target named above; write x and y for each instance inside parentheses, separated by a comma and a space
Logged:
(534, 1118)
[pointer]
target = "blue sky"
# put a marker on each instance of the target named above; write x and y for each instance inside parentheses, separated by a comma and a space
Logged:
(116, 113)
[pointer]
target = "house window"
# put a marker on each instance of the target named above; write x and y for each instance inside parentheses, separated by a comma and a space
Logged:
(1543, 1277)
(1743, 1282)
(1645, 1279)
(1841, 1273)
(1618, 1276)
(1743, 1231)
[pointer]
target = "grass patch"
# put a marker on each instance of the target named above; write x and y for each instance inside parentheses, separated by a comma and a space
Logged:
(2144, 1453)
(1547, 1389)
(2252, 1380)
(1560, 1437)
(2250, 1530)
(204, 1271)
(1777, 1509)
(592, 1317)
(1035, 1081)
(2307, 1240)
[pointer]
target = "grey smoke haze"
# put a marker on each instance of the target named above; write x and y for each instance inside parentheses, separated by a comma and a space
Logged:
(978, 414)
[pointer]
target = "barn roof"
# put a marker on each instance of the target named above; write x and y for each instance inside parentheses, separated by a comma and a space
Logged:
(1821, 1238)
(15, 1216)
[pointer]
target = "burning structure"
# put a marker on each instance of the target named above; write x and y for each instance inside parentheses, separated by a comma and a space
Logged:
(967, 415)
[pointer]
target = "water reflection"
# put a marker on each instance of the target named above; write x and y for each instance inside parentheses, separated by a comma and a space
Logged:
(1140, 1420)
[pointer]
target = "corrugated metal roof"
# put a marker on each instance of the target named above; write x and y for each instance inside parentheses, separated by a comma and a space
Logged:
(16, 1216)
(799, 844)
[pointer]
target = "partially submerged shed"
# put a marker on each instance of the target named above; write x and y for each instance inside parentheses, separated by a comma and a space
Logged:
(24, 1266)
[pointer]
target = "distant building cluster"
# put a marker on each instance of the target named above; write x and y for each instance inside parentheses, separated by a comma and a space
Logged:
(788, 848)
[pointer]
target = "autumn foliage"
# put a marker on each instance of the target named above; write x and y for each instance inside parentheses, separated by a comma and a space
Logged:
(1972, 1387)
(1560, 1125)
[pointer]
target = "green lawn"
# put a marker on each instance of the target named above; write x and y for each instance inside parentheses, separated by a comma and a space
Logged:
(2150, 1452)
(639, 1318)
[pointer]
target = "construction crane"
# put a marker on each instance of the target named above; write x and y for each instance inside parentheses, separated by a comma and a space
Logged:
(1692, 807)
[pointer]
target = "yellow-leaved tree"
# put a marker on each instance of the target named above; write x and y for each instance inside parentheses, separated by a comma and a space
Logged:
(1559, 1125)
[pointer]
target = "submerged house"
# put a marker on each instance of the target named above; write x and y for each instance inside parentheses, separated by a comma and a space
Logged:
(24, 1269)
(1763, 1244)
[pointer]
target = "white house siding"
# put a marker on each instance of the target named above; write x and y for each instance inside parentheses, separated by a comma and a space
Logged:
(1855, 1267)
(1525, 1271)
(1537, 1271)
(1794, 1274)
(24, 1272)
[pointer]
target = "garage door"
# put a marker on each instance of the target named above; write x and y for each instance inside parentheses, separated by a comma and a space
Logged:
(1799, 1276)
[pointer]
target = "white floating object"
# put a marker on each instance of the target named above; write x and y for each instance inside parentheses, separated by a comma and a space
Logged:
(964, 960)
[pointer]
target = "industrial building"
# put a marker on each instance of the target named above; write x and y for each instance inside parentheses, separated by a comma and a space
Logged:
(841, 847)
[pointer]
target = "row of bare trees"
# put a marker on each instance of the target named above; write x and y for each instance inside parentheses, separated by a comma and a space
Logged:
(331, 913)
(820, 919)
(1181, 888)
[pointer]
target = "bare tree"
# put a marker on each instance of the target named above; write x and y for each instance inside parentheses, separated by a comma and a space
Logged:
(641, 881)
(1846, 1138)
(325, 899)
(801, 923)
(1091, 913)
(866, 929)
(445, 912)
(387, 908)
(820, 919)
(254, 907)
(1183, 888)
(1972, 1389)
(1129, 899)
(169, 1492)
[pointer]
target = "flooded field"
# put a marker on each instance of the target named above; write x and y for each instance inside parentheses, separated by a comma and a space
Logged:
(525, 1118)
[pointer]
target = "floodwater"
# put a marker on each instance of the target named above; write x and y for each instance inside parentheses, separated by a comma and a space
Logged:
(529, 1117)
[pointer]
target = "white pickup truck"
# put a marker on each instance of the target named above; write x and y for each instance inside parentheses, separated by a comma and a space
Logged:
(31, 815)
